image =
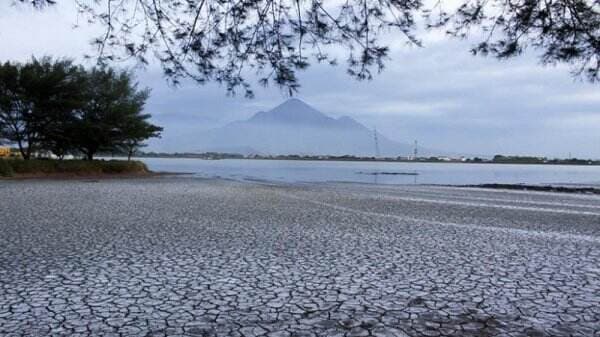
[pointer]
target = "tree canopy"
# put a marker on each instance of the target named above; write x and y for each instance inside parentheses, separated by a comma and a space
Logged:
(111, 118)
(55, 106)
(33, 100)
(220, 40)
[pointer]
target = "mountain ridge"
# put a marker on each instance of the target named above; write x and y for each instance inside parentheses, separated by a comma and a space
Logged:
(295, 127)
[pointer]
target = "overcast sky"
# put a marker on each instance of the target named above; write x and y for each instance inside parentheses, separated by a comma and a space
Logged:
(440, 94)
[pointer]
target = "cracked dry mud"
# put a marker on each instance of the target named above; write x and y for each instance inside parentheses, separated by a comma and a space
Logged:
(194, 257)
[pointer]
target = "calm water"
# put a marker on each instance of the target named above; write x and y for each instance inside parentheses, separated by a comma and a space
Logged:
(367, 172)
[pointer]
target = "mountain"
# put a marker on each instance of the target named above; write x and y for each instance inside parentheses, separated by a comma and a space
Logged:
(295, 127)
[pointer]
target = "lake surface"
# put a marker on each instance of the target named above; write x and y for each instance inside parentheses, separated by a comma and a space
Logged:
(378, 172)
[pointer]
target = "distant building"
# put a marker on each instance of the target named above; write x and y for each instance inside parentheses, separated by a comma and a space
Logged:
(44, 154)
(4, 152)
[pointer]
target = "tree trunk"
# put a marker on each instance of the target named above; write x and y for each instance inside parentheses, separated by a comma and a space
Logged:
(24, 154)
(30, 145)
(90, 155)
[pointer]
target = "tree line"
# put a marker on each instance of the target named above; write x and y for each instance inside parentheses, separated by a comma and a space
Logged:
(58, 107)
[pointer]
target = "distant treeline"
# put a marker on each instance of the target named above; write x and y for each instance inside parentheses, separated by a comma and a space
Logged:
(54, 106)
(316, 157)
(221, 155)
(498, 159)
(205, 155)
(542, 160)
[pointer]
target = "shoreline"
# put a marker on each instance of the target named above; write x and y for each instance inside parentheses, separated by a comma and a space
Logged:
(562, 189)
(536, 188)
(74, 169)
(94, 176)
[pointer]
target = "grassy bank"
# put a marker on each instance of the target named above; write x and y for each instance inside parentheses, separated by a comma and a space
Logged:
(42, 168)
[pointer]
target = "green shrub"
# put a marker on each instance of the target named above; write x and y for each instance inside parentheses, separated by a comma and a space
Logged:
(33, 166)
(75, 167)
(120, 166)
(5, 168)
(78, 166)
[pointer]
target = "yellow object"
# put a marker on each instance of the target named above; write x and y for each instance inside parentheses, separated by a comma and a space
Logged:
(4, 152)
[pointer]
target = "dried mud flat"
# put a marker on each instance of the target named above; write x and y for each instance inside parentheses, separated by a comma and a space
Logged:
(193, 257)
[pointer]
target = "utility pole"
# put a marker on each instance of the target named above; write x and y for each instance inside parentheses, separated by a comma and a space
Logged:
(376, 142)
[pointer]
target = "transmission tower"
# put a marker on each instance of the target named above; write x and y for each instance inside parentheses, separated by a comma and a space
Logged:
(416, 153)
(376, 143)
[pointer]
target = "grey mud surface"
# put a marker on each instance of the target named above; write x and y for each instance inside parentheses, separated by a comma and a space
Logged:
(193, 257)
